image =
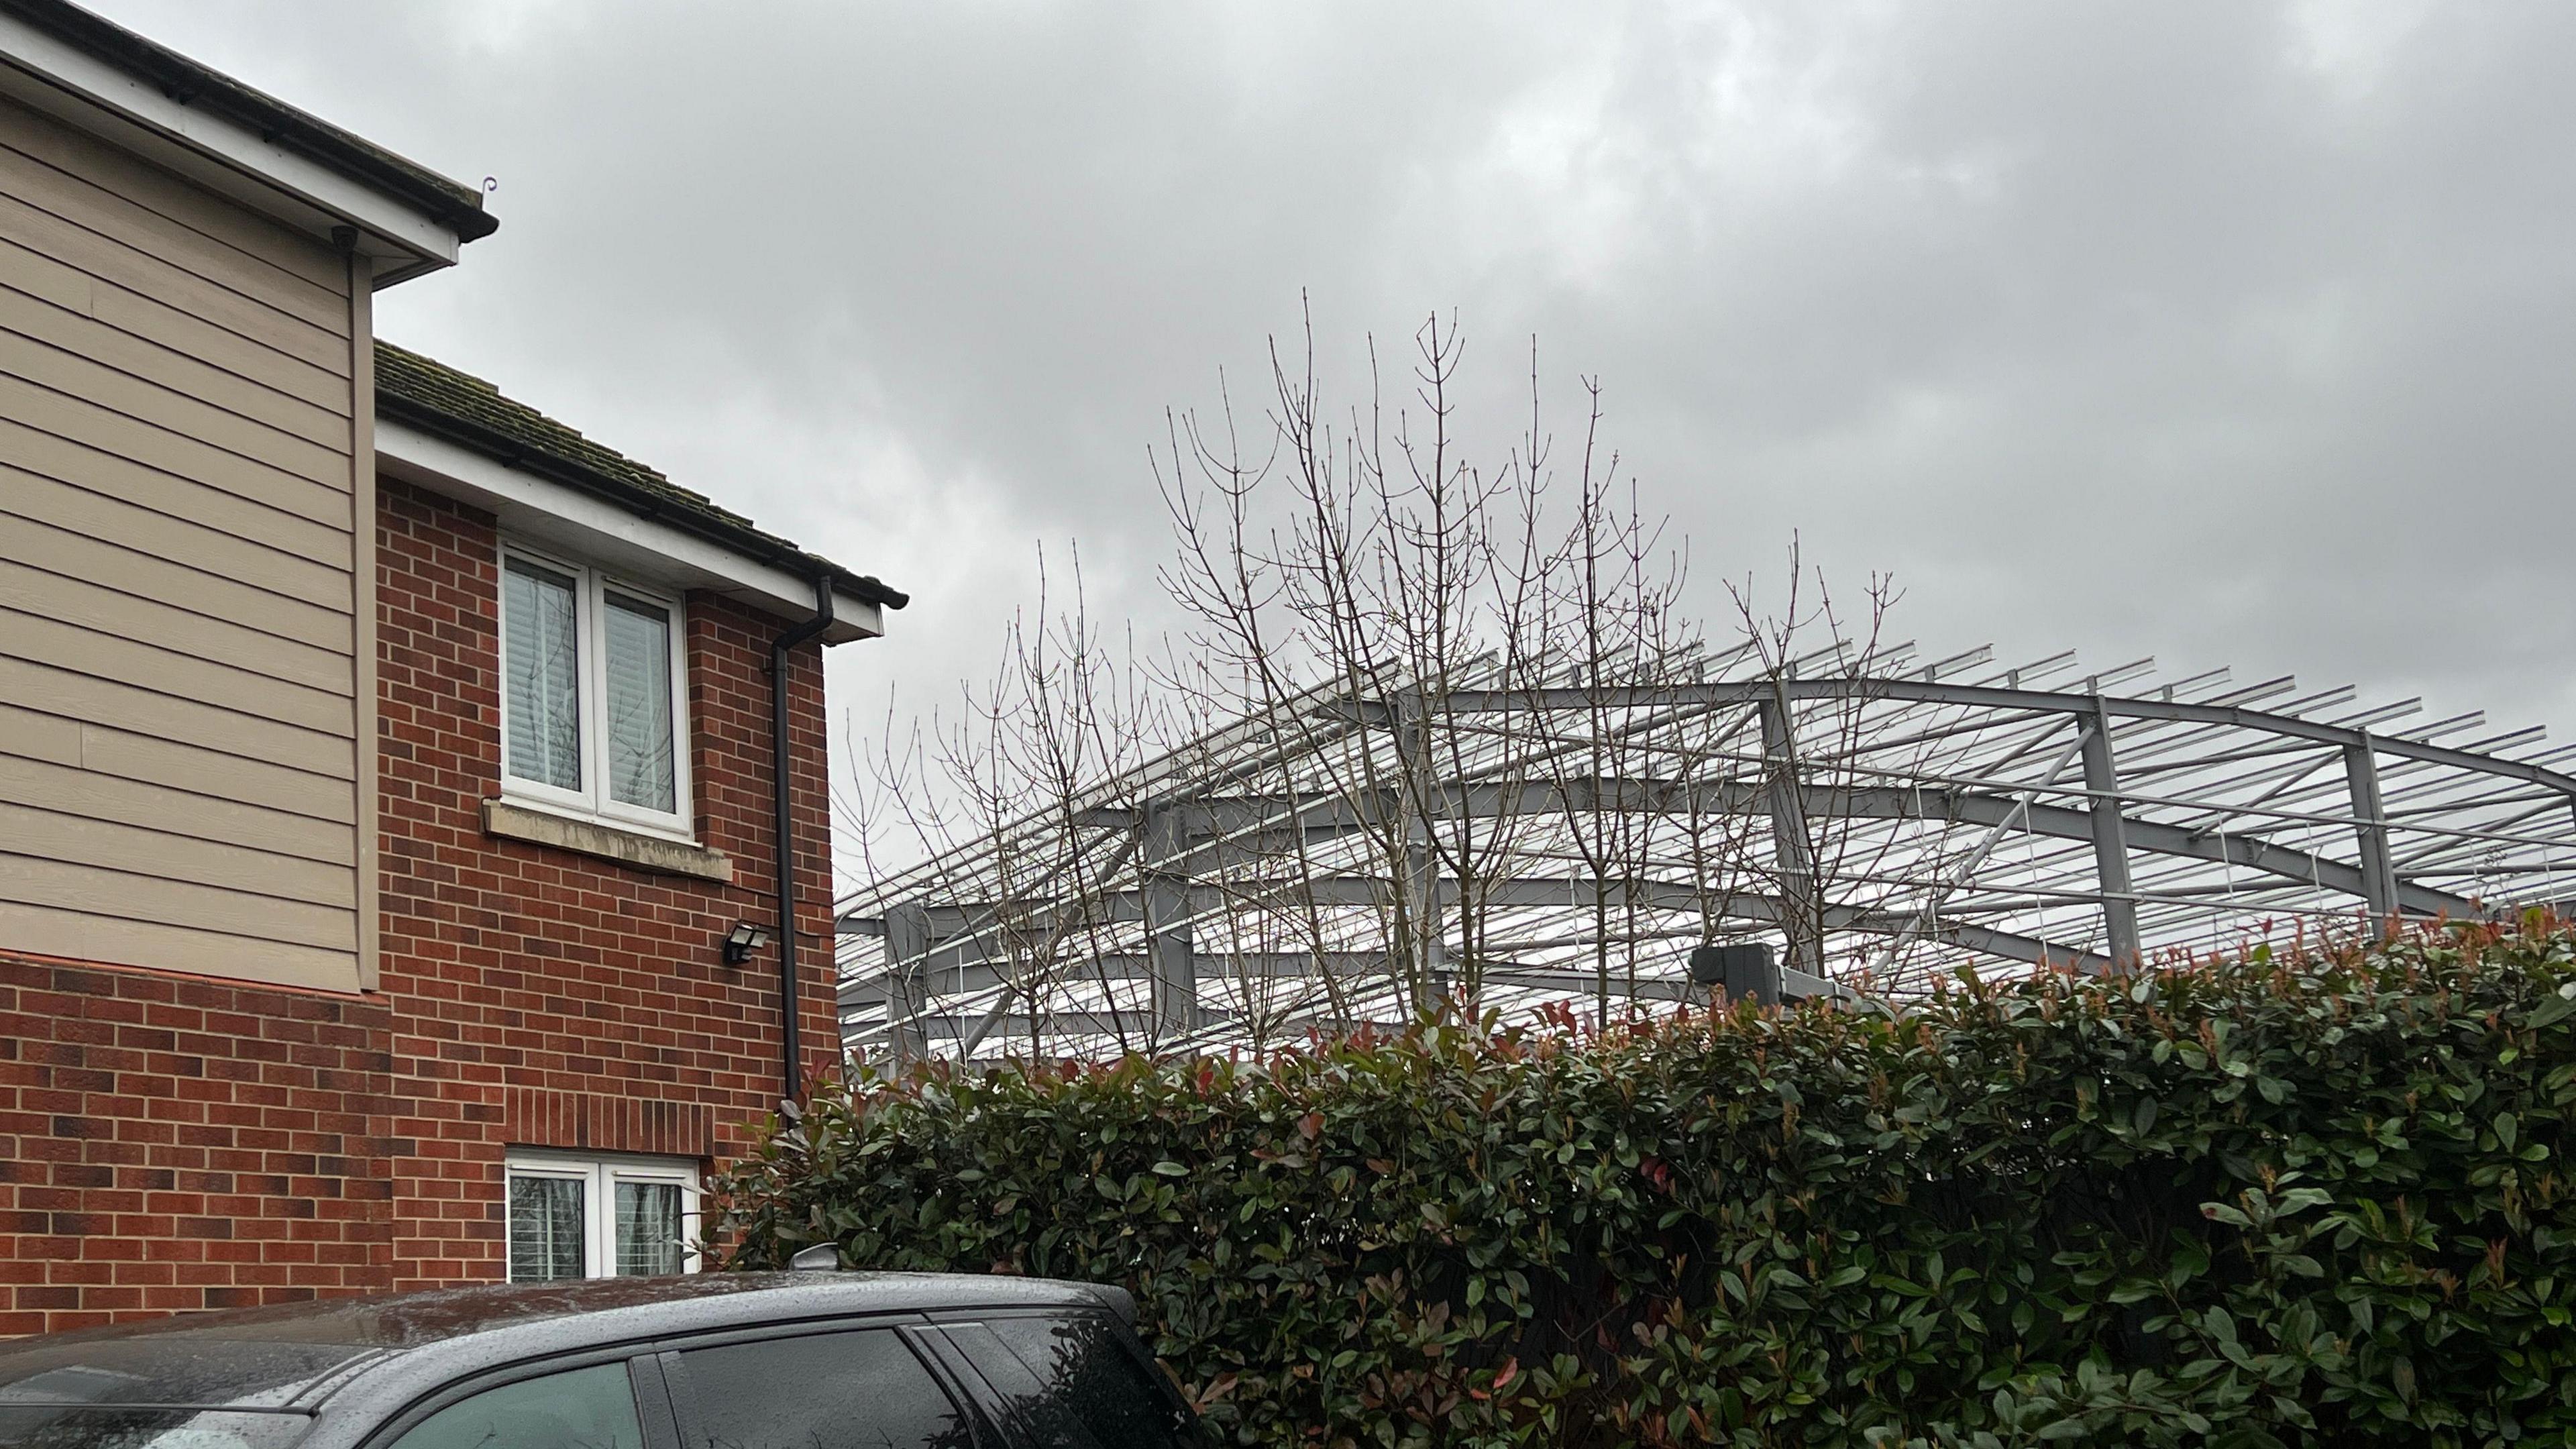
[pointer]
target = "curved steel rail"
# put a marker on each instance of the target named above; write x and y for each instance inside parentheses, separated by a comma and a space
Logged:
(1880, 827)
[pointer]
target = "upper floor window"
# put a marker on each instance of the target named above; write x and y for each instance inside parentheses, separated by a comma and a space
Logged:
(593, 694)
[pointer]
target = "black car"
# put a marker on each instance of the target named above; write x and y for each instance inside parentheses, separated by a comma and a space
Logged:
(722, 1361)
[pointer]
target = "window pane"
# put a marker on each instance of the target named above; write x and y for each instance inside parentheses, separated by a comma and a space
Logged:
(639, 704)
(826, 1391)
(1086, 1376)
(591, 1408)
(541, 669)
(545, 1229)
(648, 1229)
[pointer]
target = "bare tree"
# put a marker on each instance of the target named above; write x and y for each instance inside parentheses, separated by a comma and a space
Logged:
(1436, 733)
(1413, 693)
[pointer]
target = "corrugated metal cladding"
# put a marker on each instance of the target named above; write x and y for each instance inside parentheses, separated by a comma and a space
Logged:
(179, 575)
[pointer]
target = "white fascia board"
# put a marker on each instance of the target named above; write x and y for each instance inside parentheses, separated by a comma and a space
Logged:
(542, 511)
(216, 152)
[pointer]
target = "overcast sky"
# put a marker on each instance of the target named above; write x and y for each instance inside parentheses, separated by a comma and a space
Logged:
(2231, 334)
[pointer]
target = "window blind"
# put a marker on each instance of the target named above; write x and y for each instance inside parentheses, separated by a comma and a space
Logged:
(547, 1228)
(540, 626)
(648, 1229)
(639, 731)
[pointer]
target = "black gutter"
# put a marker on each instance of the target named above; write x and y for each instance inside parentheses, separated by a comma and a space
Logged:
(791, 1072)
(455, 205)
(643, 502)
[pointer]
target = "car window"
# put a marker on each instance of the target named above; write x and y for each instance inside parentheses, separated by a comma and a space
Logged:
(861, 1390)
(1074, 1384)
(585, 1408)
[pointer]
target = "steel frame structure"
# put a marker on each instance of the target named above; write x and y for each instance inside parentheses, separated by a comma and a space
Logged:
(1879, 823)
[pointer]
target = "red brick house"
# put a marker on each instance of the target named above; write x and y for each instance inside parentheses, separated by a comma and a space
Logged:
(390, 812)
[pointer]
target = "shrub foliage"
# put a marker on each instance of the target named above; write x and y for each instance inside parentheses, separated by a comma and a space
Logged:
(2312, 1198)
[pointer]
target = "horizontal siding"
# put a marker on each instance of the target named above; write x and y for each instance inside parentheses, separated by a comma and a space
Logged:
(146, 275)
(75, 290)
(135, 895)
(135, 710)
(168, 669)
(146, 405)
(133, 571)
(125, 615)
(80, 936)
(202, 542)
(110, 845)
(189, 770)
(233, 246)
(72, 330)
(178, 711)
(64, 788)
(122, 435)
(33, 736)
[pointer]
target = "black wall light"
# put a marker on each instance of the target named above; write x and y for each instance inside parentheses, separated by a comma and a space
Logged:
(742, 940)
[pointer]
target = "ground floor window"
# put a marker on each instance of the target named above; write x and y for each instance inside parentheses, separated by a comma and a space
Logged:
(600, 1216)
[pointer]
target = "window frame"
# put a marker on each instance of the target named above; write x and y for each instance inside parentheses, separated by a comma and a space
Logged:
(644, 1380)
(600, 1172)
(968, 1395)
(594, 801)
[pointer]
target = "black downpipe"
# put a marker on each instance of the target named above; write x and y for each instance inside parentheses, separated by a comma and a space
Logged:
(790, 1075)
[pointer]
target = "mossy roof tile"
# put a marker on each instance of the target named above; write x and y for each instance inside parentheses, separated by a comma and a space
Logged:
(467, 410)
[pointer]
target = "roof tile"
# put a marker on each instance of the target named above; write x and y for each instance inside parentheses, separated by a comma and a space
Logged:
(470, 411)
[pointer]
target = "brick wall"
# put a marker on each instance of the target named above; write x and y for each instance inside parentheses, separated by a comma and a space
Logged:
(172, 1143)
(548, 999)
(169, 1142)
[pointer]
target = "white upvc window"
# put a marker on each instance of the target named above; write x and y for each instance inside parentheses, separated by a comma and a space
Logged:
(600, 1216)
(594, 695)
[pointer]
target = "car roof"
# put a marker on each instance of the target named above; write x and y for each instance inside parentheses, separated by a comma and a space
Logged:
(298, 1354)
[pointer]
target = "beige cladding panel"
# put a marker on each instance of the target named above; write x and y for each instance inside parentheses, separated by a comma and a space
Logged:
(180, 693)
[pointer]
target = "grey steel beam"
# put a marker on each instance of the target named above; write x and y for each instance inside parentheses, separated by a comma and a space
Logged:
(1947, 806)
(2110, 841)
(1541, 893)
(2370, 821)
(1769, 910)
(957, 1026)
(1644, 988)
(859, 993)
(2011, 947)
(1916, 691)
(1794, 985)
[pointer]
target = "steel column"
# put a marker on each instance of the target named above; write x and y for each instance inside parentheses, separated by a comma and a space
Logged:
(1423, 918)
(2110, 841)
(1168, 953)
(2370, 823)
(907, 949)
(1792, 851)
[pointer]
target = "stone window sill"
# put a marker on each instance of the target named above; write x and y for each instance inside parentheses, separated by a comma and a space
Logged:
(506, 820)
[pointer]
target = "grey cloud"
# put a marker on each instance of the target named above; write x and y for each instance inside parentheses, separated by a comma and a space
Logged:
(2228, 332)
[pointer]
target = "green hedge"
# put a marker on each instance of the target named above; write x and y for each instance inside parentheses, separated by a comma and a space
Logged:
(2319, 1200)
